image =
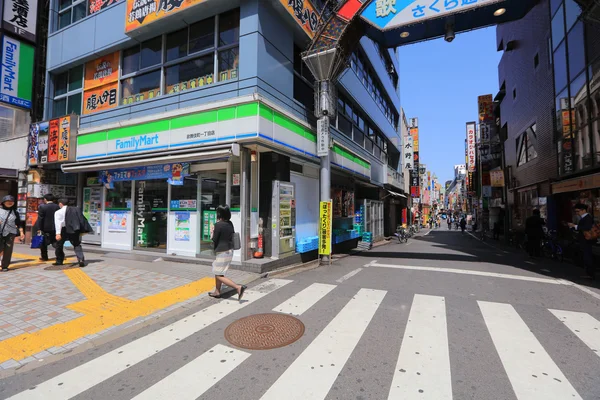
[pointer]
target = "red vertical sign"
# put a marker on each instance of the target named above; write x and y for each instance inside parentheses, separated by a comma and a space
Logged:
(53, 133)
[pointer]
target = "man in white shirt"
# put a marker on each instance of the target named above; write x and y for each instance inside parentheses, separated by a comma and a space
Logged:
(68, 227)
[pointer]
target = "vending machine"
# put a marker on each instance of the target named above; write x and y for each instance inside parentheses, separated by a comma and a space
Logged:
(284, 219)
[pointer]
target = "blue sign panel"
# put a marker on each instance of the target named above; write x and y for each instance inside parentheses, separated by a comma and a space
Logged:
(173, 172)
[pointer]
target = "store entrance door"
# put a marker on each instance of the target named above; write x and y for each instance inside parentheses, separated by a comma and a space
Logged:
(213, 193)
(151, 206)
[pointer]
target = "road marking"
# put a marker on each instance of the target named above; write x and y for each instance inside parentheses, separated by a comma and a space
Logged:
(349, 275)
(314, 372)
(423, 369)
(471, 272)
(195, 378)
(100, 310)
(583, 289)
(301, 302)
(583, 325)
(85, 376)
(531, 371)
(427, 233)
(370, 264)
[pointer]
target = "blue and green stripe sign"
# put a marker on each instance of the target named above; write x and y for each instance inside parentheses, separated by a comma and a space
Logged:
(16, 73)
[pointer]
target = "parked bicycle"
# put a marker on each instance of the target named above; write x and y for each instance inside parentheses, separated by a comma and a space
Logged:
(401, 234)
(551, 248)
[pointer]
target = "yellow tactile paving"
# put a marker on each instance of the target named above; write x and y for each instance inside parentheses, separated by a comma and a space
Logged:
(100, 311)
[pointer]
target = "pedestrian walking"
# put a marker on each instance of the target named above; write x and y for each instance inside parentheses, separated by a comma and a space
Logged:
(449, 220)
(11, 226)
(585, 224)
(463, 224)
(45, 224)
(222, 237)
(70, 224)
(534, 229)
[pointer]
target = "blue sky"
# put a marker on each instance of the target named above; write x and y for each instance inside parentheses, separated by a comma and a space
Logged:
(439, 84)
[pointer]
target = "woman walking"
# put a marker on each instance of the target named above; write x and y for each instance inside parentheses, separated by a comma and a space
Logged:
(10, 226)
(222, 236)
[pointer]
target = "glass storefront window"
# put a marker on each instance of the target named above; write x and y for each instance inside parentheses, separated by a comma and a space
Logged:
(558, 28)
(213, 191)
(119, 197)
(150, 214)
(560, 68)
(185, 197)
(190, 74)
(236, 184)
(140, 88)
(576, 50)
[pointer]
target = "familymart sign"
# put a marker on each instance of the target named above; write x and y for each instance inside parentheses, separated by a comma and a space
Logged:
(16, 73)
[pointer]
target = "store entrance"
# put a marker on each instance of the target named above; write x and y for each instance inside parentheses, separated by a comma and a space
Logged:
(213, 192)
(150, 215)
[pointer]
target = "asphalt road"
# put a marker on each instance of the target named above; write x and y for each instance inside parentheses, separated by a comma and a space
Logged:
(442, 317)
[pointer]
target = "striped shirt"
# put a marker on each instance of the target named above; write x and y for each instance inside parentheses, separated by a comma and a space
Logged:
(11, 225)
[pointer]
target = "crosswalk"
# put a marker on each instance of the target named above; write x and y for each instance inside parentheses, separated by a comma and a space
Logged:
(422, 369)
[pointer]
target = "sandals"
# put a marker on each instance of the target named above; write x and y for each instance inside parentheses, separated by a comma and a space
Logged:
(242, 290)
(214, 295)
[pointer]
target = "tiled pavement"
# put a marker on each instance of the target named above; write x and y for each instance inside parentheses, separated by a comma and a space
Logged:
(34, 298)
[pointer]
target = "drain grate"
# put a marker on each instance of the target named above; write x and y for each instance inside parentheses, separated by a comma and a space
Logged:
(264, 331)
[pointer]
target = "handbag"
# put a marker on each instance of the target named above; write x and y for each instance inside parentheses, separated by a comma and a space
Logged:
(36, 241)
(592, 234)
(237, 243)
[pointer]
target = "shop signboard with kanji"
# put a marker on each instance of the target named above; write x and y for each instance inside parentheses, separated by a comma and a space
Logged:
(390, 14)
(325, 222)
(471, 157)
(20, 18)
(485, 105)
(141, 13)
(101, 83)
(53, 141)
(304, 14)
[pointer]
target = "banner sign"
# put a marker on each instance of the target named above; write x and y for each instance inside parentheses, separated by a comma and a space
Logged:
(497, 178)
(64, 138)
(325, 219)
(20, 18)
(102, 70)
(485, 105)
(100, 99)
(304, 13)
(53, 132)
(161, 171)
(144, 12)
(52, 141)
(390, 14)
(408, 153)
(16, 72)
(96, 5)
(471, 158)
(415, 189)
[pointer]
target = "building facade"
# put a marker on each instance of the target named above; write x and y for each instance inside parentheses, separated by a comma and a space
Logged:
(181, 113)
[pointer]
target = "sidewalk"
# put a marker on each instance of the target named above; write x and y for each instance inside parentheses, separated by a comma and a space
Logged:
(49, 310)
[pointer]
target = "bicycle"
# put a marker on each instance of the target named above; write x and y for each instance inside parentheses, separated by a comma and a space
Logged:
(551, 248)
(401, 234)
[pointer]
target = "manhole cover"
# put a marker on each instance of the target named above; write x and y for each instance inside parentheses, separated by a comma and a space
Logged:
(61, 267)
(264, 331)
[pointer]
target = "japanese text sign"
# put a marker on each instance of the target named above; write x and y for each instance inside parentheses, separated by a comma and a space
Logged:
(304, 13)
(96, 5)
(144, 12)
(485, 105)
(471, 147)
(101, 98)
(16, 71)
(497, 178)
(408, 153)
(51, 141)
(20, 18)
(33, 144)
(53, 133)
(64, 137)
(325, 218)
(101, 71)
(389, 14)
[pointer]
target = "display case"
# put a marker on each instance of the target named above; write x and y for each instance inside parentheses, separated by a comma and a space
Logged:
(284, 219)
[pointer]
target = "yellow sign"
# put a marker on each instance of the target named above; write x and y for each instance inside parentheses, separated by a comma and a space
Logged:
(304, 13)
(325, 228)
(144, 12)
(497, 178)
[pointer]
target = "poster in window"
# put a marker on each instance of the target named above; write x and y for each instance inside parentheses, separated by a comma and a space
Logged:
(141, 13)
(96, 5)
(53, 132)
(102, 71)
(100, 98)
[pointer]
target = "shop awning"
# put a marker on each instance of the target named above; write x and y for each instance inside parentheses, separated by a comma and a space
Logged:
(208, 154)
(396, 194)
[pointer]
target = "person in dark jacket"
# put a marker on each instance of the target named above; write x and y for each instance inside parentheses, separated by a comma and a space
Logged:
(45, 224)
(11, 226)
(586, 223)
(69, 224)
(222, 236)
(534, 229)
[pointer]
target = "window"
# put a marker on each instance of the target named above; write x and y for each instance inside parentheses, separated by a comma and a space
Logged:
(576, 50)
(70, 11)
(68, 92)
(558, 28)
(303, 81)
(201, 54)
(572, 14)
(560, 68)
(536, 60)
(526, 144)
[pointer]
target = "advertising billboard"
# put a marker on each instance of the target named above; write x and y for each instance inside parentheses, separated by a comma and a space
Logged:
(20, 18)
(144, 12)
(471, 143)
(304, 13)
(100, 84)
(53, 141)
(16, 73)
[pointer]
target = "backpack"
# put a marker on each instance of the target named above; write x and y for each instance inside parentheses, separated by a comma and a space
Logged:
(592, 234)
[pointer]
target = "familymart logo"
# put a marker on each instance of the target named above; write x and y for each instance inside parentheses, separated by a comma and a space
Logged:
(137, 143)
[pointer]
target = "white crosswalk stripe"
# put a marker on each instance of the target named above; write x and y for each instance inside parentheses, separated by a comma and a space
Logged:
(586, 327)
(423, 369)
(85, 376)
(196, 377)
(313, 373)
(531, 371)
(423, 364)
(303, 301)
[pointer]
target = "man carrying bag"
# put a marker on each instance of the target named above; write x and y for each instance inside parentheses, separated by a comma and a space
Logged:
(45, 224)
(70, 224)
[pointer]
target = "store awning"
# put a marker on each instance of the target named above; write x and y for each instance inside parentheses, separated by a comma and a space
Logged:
(208, 154)
(396, 194)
